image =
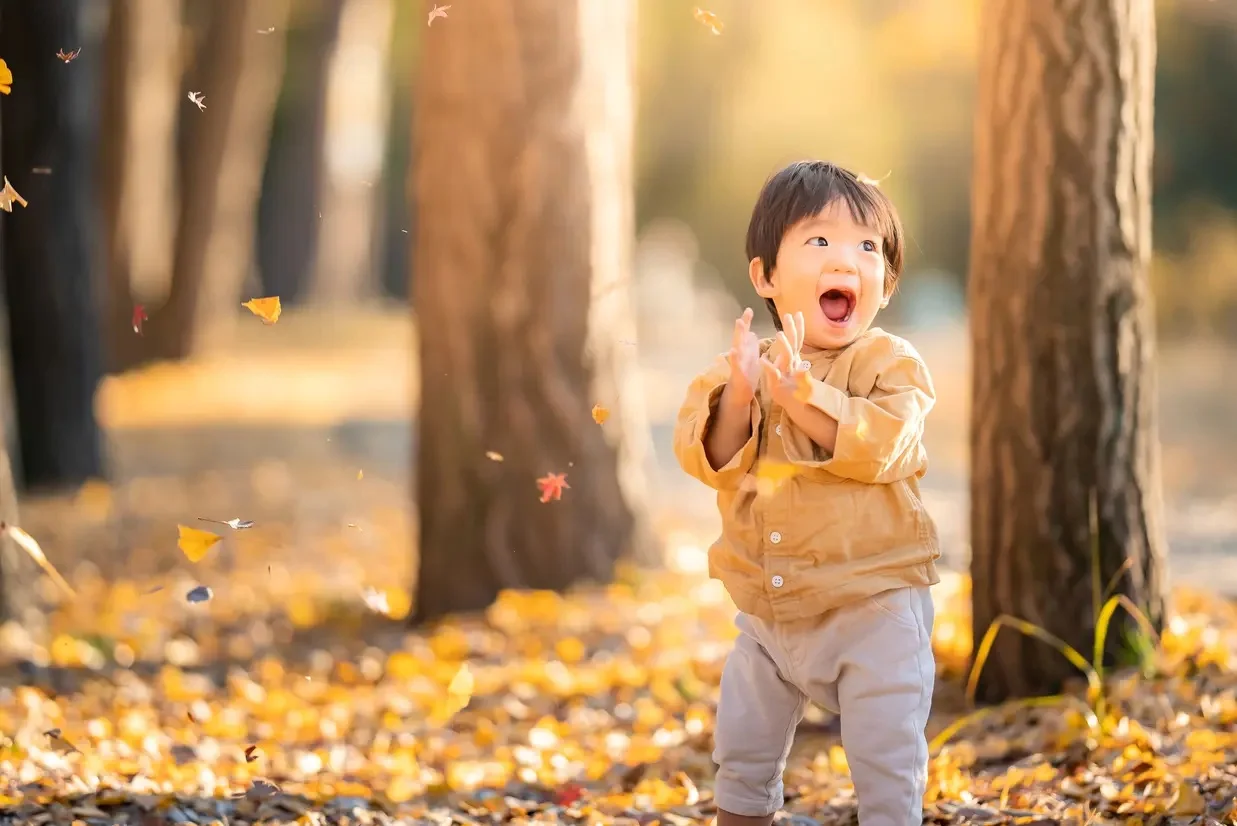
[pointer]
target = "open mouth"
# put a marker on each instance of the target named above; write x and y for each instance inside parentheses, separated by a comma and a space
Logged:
(837, 305)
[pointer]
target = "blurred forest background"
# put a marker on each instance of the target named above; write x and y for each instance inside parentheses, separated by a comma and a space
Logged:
(294, 180)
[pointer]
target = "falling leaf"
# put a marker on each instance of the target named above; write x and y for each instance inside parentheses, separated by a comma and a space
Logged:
(41, 170)
(8, 195)
(66, 57)
(27, 543)
(437, 11)
(198, 99)
(377, 601)
(267, 309)
(195, 543)
(493, 456)
(266, 31)
(139, 315)
(233, 523)
(59, 743)
(6, 78)
(600, 414)
(360, 474)
(251, 754)
(552, 485)
(770, 476)
(154, 590)
(708, 19)
(199, 594)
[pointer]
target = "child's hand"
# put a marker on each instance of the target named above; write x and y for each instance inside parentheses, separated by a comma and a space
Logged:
(744, 358)
(785, 350)
(789, 381)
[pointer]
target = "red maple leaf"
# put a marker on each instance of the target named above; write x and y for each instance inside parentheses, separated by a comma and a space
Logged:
(552, 485)
(139, 315)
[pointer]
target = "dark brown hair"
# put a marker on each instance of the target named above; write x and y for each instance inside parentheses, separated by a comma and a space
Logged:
(804, 188)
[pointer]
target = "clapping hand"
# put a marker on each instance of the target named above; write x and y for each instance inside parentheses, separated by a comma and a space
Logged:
(789, 380)
(744, 358)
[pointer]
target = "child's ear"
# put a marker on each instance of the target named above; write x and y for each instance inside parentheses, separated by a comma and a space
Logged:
(763, 286)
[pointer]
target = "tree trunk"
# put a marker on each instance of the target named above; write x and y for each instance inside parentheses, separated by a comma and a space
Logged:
(53, 326)
(239, 71)
(291, 198)
(523, 141)
(141, 99)
(1061, 330)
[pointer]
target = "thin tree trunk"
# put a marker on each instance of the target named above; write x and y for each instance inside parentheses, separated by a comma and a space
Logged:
(239, 72)
(140, 101)
(53, 328)
(523, 190)
(291, 199)
(1061, 324)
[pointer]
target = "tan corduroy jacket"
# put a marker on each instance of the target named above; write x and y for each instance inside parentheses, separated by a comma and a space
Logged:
(838, 528)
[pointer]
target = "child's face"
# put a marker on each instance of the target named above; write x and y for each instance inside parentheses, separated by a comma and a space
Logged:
(832, 270)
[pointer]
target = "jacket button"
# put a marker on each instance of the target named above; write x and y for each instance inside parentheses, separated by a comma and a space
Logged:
(778, 430)
(805, 365)
(778, 581)
(775, 537)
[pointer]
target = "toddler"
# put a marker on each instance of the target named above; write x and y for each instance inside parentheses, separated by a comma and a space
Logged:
(829, 555)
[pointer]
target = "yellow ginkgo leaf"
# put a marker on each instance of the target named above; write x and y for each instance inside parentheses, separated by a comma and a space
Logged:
(6, 78)
(708, 19)
(267, 309)
(8, 195)
(460, 690)
(195, 543)
(600, 414)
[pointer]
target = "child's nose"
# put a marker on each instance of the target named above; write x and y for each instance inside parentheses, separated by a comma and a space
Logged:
(841, 263)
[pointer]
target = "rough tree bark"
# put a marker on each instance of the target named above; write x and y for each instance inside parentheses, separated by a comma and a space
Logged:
(522, 158)
(239, 72)
(1061, 329)
(53, 329)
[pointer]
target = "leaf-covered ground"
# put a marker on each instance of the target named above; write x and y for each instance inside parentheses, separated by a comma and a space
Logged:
(289, 697)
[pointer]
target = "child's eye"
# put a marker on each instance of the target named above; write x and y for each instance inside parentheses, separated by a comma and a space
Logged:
(869, 246)
(815, 238)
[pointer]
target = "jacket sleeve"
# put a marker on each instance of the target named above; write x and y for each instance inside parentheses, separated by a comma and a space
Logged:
(696, 415)
(880, 438)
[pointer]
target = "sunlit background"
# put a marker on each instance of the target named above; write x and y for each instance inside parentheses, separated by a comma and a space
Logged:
(277, 421)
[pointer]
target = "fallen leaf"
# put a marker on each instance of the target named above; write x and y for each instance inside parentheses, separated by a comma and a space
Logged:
(267, 309)
(199, 594)
(195, 543)
(139, 315)
(460, 689)
(493, 456)
(708, 19)
(552, 485)
(27, 543)
(66, 57)
(6, 78)
(198, 99)
(600, 414)
(1188, 801)
(437, 11)
(260, 790)
(8, 195)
